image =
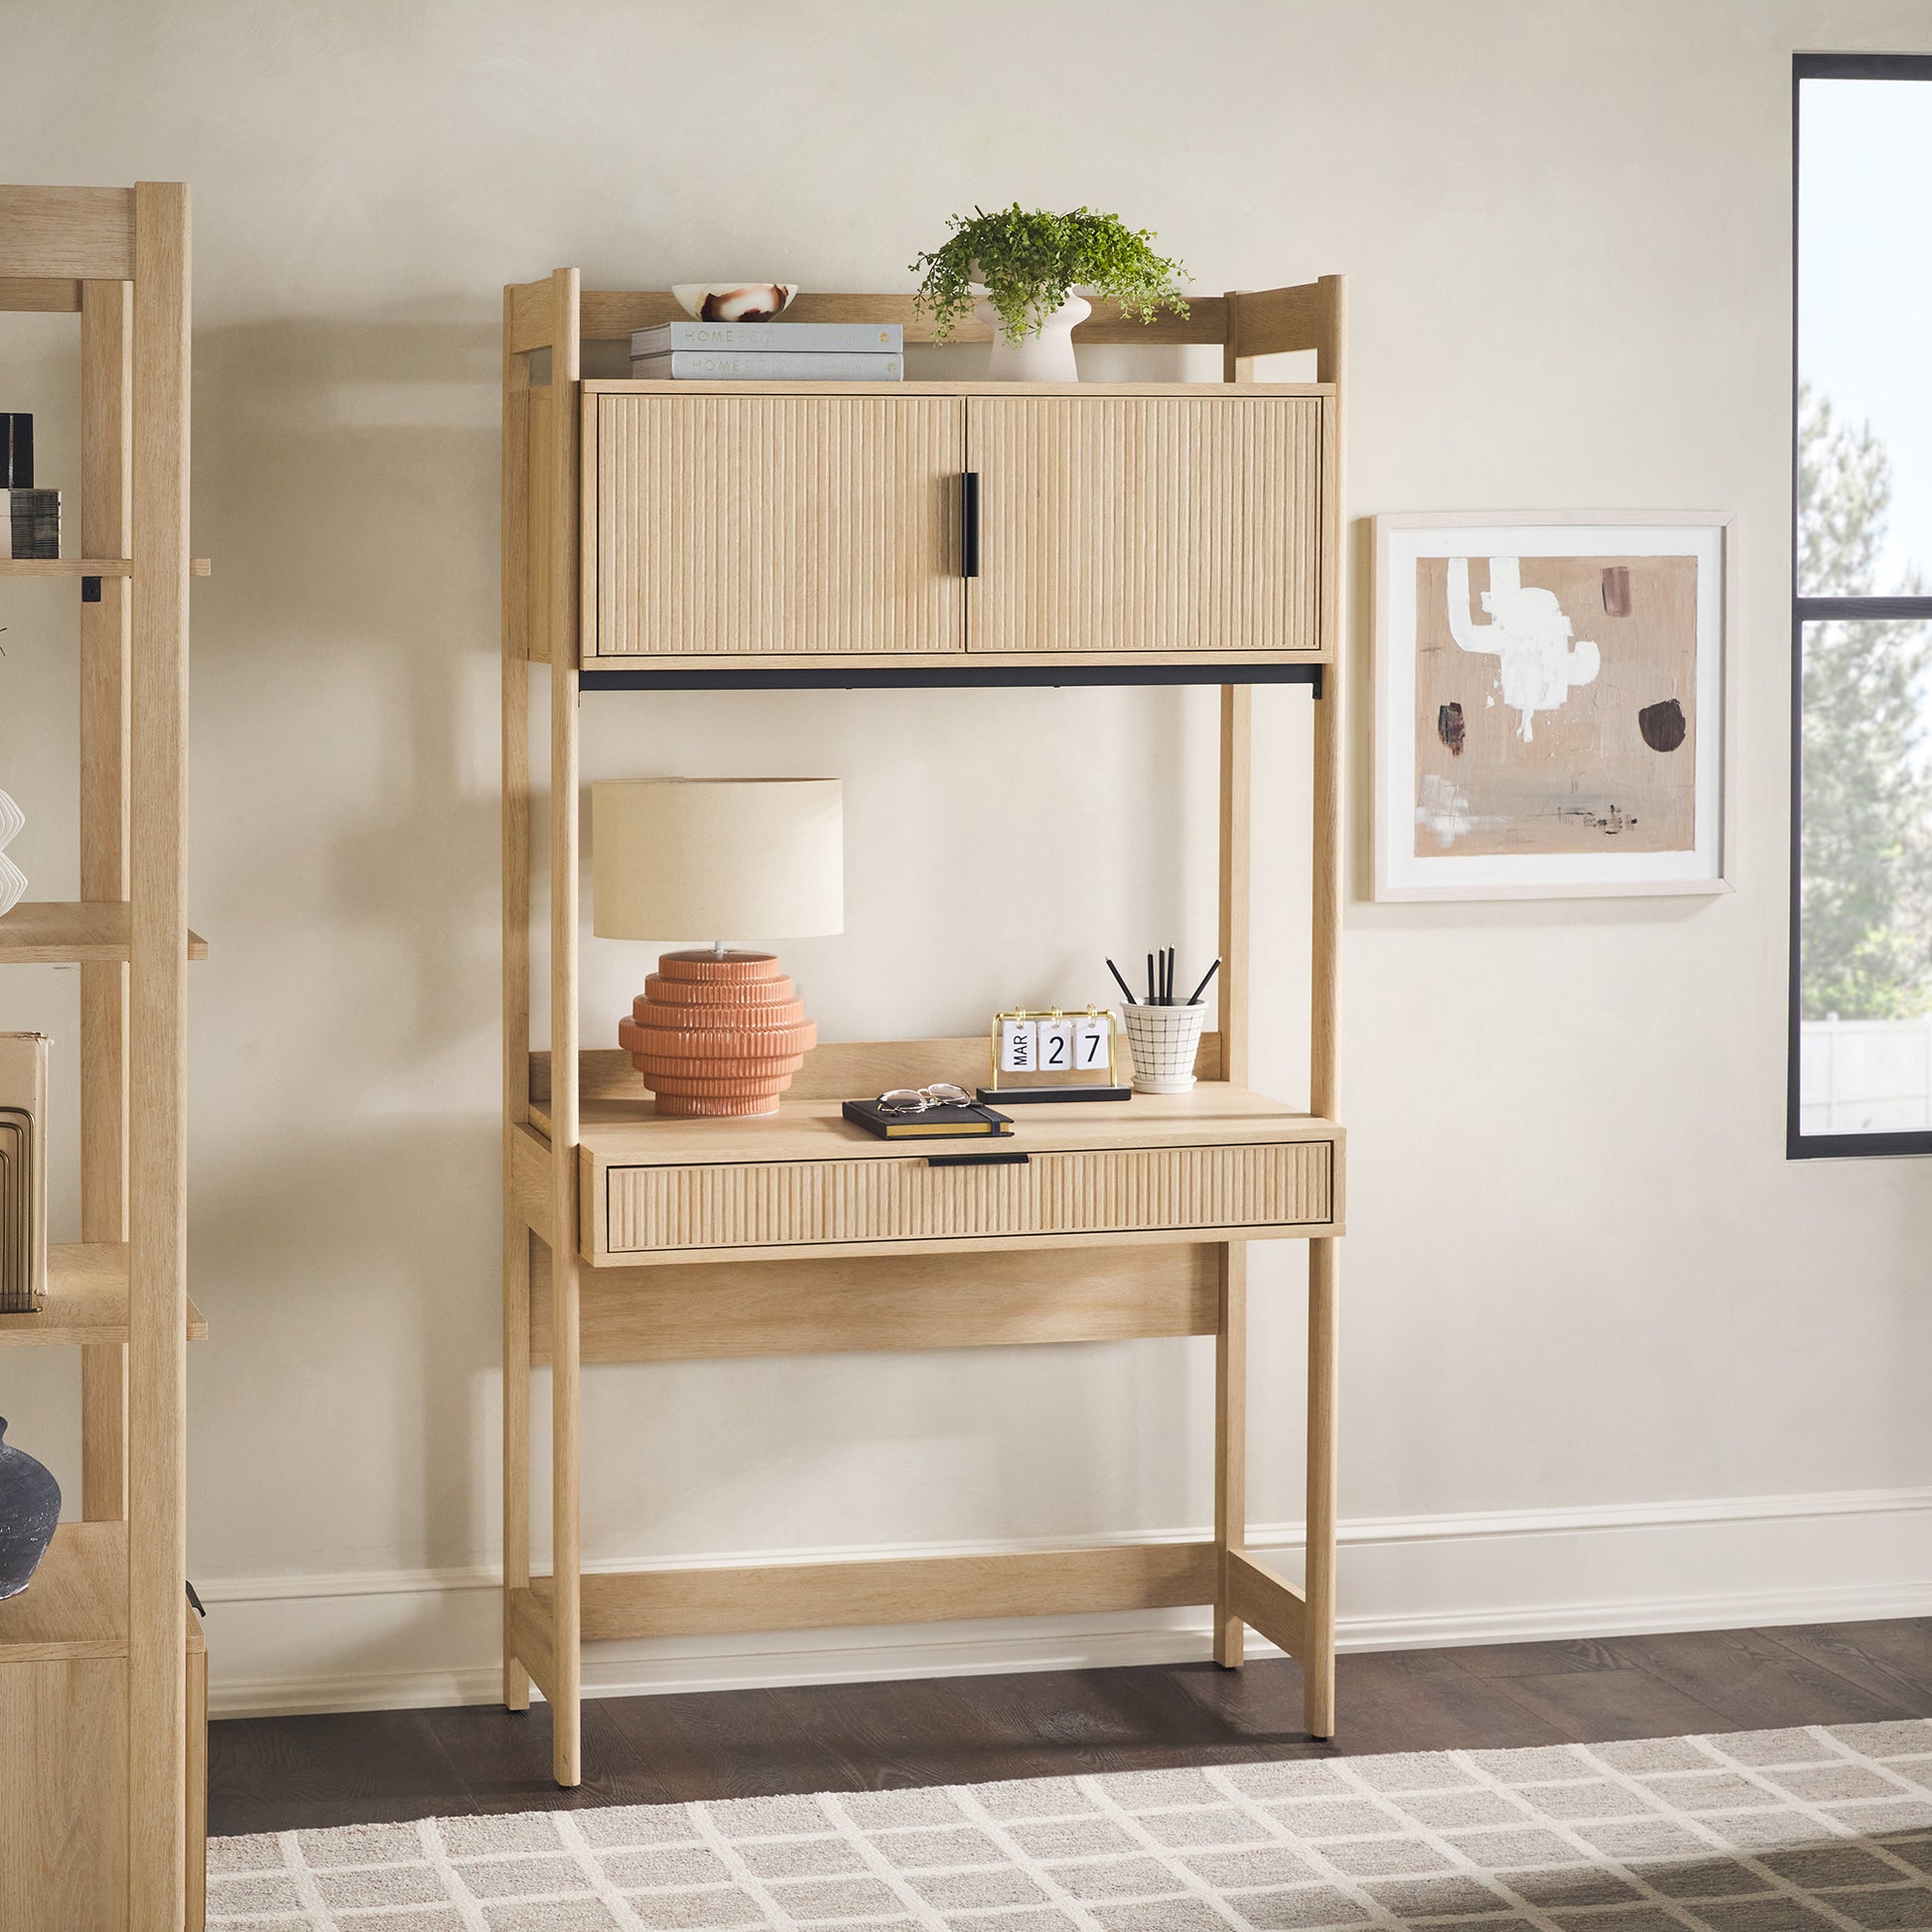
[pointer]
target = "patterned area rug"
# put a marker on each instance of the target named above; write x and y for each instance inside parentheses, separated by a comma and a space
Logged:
(1762, 1830)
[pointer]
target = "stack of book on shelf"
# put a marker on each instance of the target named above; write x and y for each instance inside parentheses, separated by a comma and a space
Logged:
(769, 352)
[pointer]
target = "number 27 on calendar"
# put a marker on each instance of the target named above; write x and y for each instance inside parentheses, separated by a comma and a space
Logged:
(1049, 1045)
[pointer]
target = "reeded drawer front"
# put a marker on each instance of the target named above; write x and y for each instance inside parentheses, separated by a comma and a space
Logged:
(795, 1202)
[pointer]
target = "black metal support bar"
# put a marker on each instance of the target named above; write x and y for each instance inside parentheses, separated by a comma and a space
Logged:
(941, 677)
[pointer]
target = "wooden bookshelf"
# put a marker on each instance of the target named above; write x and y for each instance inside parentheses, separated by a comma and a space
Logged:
(102, 1680)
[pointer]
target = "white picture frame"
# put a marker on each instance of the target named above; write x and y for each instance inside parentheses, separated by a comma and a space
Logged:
(1407, 865)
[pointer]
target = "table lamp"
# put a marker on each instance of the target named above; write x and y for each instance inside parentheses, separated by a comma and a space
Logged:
(717, 1032)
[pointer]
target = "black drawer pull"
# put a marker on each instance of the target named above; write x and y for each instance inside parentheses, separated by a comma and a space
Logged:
(1002, 1159)
(969, 523)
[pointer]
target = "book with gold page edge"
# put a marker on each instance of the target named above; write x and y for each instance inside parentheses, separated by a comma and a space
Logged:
(932, 1124)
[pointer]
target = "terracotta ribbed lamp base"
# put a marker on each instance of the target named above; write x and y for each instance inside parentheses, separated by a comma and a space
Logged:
(717, 1035)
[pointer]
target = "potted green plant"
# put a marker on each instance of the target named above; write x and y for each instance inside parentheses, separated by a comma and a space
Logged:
(1029, 265)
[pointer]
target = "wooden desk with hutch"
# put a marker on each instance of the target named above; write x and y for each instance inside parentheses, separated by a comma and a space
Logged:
(1184, 534)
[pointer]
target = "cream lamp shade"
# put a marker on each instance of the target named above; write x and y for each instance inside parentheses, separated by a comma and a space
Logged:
(717, 858)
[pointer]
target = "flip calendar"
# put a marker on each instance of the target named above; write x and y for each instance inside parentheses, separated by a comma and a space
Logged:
(1054, 1055)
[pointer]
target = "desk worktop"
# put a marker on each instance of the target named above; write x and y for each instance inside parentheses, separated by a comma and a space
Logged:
(627, 1133)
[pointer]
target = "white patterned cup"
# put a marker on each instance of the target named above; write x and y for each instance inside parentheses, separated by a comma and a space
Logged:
(1164, 1040)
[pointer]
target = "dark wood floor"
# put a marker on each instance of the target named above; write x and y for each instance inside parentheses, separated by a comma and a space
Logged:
(281, 1773)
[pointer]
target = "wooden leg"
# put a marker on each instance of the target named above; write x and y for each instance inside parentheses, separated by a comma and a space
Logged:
(516, 1445)
(106, 440)
(1230, 1447)
(196, 1877)
(1319, 1663)
(566, 1360)
(567, 1596)
(157, 1315)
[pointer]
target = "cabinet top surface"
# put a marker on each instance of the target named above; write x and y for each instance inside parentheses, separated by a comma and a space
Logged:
(629, 1133)
(985, 391)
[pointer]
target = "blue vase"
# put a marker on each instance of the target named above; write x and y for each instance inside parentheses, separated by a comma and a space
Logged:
(30, 1508)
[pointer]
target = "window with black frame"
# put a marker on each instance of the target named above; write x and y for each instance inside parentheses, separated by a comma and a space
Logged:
(1861, 1072)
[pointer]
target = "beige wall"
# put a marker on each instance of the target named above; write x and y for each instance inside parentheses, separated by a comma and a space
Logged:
(1583, 1285)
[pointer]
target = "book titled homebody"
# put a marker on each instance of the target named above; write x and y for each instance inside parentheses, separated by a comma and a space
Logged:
(933, 1123)
(764, 337)
(705, 365)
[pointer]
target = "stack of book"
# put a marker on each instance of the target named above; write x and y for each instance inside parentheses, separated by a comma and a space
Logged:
(769, 352)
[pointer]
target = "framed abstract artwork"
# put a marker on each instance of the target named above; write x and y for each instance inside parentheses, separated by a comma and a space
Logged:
(1550, 704)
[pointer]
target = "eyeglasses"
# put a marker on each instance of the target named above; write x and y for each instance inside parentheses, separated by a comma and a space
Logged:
(916, 1100)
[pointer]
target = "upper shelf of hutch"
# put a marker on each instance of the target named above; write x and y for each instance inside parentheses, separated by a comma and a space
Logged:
(1293, 315)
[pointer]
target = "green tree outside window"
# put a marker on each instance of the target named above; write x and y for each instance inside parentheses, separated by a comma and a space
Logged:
(1867, 858)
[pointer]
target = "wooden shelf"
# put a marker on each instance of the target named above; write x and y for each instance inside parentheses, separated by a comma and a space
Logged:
(76, 1605)
(96, 1714)
(609, 315)
(86, 1299)
(67, 931)
(87, 567)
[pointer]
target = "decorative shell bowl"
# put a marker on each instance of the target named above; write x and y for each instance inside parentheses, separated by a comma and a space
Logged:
(734, 301)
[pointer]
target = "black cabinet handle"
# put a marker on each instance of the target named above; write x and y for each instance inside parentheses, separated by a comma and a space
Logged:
(969, 523)
(1002, 1159)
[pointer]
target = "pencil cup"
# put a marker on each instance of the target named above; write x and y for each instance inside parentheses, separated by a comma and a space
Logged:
(1164, 1040)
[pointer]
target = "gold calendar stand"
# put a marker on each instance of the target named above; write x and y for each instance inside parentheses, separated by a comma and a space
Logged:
(1042, 1082)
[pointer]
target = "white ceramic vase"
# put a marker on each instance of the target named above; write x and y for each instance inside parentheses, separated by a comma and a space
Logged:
(1042, 355)
(13, 882)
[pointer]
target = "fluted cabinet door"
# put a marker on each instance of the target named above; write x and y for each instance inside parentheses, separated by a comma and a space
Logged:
(1148, 524)
(766, 524)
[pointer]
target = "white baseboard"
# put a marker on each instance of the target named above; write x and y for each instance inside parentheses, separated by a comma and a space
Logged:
(409, 1640)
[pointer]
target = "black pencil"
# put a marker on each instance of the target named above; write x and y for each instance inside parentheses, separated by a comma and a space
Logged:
(1119, 981)
(1150, 981)
(1202, 986)
(1173, 964)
